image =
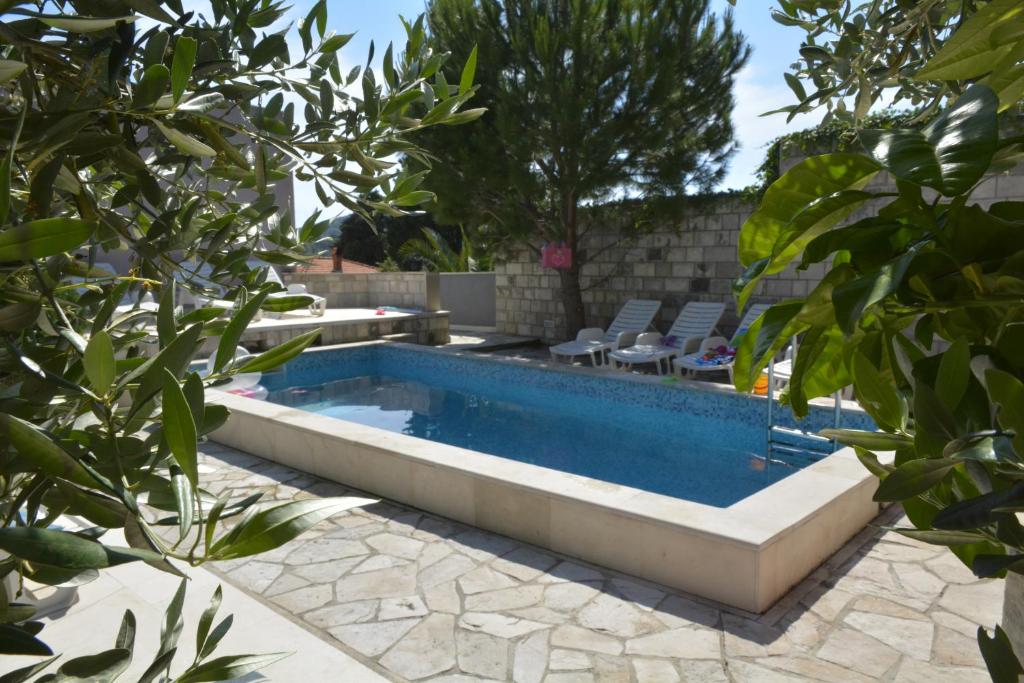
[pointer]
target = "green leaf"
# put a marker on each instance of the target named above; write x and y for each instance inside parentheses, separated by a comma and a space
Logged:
(23, 674)
(180, 428)
(875, 441)
(281, 304)
(468, 73)
(126, 634)
(951, 153)
(39, 448)
(235, 329)
(10, 69)
(282, 353)
(151, 86)
(16, 317)
(206, 620)
(174, 357)
(913, 478)
(335, 43)
(871, 462)
(980, 511)
(230, 667)
(877, 394)
(185, 499)
(856, 296)
(997, 651)
(186, 143)
(105, 666)
(181, 68)
(78, 24)
(987, 566)
(1007, 392)
(273, 527)
(15, 640)
(99, 362)
(66, 550)
(946, 538)
(173, 621)
(983, 41)
(954, 373)
(266, 50)
(43, 237)
(165, 325)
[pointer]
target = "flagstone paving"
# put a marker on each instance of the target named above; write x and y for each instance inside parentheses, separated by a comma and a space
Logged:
(422, 598)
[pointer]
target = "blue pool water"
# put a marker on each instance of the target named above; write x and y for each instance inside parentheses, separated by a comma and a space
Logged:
(697, 445)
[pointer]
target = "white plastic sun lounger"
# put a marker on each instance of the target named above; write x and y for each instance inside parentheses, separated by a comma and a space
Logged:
(696, 321)
(689, 362)
(317, 308)
(635, 316)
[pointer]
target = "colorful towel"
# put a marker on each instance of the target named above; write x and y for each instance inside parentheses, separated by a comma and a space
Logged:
(723, 355)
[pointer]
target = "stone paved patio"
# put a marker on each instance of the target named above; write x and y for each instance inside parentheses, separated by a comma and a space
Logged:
(419, 597)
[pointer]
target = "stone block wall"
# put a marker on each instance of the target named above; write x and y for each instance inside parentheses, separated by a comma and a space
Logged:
(369, 290)
(693, 257)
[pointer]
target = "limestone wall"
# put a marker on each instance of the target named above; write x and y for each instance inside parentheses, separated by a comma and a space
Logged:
(369, 290)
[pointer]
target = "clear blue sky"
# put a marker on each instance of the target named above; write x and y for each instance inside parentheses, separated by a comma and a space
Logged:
(759, 88)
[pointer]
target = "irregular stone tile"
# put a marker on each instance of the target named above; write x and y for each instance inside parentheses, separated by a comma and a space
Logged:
(955, 649)
(854, 650)
(609, 669)
(304, 599)
(481, 654)
(702, 671)
(812, 668)
(827, 603)
(746, 638)
(256, 576)
(428, 649)
(806, 630)
(443, 598)
(433, 553)
(326, 572)
(524, 563)
(685, 643)
(404, 524)
(325, 549)
(378, 562)
(896, 552)
(745, 672)
(612, 615)
(436, 527)
(570, 571)
(677, 611)
(393, 544)
(859, 586)
(338, 615)
(574, 677)
(499, 625)
(568, 660)
(951, 621)
(484, 579)
(950, 569)
(643, 595)
(569, 596)
(981, 602)
(386, 583)
(482, 545)
(402, 608)
(876, 605)
(909, 636)
(462, 678)
(501, 600)
(913, 671)
(451, 567)
(870, 569)
(918, 581)
(373, 638)
(654, 671)
(542, 614)
(531, 658)
(577, 638)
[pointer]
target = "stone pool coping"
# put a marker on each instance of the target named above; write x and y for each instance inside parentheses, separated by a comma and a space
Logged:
(747, 555)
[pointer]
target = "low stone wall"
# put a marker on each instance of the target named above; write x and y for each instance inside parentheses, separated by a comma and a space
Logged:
(430, 329)
(693, 257)
(369, 290)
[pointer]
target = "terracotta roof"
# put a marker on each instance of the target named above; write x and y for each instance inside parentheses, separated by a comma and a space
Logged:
(326, 265)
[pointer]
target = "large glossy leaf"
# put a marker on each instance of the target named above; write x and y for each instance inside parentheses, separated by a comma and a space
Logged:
(105, 666)
(276, 526)
(39, 448)
(180, 428)
(151, 86)
(954, 373)
(979, 511)
(875, 441)
(913, 478)
(982, 42)
(63, 549)
(951, 153)
(42, 238)
(853, 298)
(229, 668)
(206, 620)
(1007, 392)
(938, 537)
(233, 333)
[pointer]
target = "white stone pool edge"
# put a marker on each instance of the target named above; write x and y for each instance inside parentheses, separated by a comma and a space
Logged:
(747, 555)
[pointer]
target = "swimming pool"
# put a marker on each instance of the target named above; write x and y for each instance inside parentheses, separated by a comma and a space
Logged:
(706, 447)
(589, 464)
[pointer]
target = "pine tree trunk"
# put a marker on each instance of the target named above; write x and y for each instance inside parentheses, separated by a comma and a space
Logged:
(572, 301)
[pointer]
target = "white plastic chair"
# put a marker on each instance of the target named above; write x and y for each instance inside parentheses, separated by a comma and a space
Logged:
(635, 316)
(695, 322)
(690, 362)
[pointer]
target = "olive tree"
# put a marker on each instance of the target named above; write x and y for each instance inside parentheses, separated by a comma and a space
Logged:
(922, 307)
(135, 126)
